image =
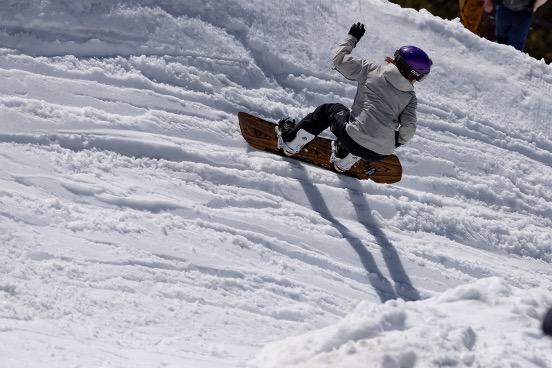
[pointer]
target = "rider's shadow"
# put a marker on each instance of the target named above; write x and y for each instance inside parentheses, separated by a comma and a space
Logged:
(381, 284)
(403, 285)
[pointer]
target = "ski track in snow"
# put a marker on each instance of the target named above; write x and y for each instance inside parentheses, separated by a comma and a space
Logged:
(134, 215)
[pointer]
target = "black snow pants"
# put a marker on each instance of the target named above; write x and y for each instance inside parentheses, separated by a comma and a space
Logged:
(334, 116)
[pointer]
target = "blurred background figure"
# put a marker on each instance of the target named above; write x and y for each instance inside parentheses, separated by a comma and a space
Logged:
(513, 21)
(547, 323)
(539, 40)
(471, 12)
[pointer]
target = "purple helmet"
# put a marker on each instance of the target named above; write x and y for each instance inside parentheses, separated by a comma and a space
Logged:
(413, 62)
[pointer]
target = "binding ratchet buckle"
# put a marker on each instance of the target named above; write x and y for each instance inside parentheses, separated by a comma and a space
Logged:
(371, 171)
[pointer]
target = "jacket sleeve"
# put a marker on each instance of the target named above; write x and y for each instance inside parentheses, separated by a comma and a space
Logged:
(344, 62)
(408, 119)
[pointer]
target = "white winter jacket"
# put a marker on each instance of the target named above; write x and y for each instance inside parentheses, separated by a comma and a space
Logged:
(385, 101)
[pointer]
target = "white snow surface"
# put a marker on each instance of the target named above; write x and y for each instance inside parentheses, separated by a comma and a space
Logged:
(138, 229)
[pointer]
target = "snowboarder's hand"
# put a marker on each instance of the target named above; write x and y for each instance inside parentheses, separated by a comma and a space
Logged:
(357, 31)
(397, 144)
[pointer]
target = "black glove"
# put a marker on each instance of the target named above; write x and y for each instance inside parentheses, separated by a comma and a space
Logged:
(397, 144)
(357, 31)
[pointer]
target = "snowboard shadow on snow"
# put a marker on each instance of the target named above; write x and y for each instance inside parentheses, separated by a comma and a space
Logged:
(403, 284)
(383, 287)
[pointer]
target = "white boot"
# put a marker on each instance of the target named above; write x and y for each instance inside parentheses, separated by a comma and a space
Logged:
(345, 163)
(301, 139)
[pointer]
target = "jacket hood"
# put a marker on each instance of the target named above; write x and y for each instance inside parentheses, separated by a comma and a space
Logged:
(394, 76)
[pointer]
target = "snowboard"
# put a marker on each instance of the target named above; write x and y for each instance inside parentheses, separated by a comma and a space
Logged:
(261, 135)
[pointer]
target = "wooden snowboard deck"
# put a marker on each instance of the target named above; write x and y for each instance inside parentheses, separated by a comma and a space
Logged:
(260, 134)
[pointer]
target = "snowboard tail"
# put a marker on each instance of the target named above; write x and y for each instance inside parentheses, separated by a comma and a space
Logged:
(260, 134)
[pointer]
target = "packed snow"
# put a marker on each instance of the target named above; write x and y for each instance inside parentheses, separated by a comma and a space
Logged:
(138, 229)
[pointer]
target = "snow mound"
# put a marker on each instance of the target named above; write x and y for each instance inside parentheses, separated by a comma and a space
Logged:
(473, 325)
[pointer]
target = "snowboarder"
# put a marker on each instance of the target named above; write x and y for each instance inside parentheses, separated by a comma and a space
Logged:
(383, 115)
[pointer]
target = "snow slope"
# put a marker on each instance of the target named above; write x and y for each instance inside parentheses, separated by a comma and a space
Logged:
(138, 229)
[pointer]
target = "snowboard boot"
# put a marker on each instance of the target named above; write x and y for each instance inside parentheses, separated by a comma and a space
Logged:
(302, 137)
(285, 125)
(342, 159)
(338, 152)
